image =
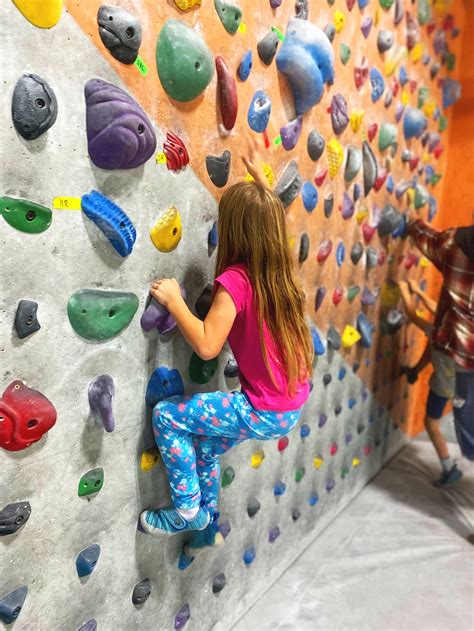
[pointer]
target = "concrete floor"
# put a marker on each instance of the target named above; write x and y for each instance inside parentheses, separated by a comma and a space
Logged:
(397, 559)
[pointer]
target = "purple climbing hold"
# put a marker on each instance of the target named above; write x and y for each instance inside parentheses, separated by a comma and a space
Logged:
(348, 438)
(182, 617)
(399, 110)
(119, 133)
(339, 116)
(366, 26)
(322, 420)
(158, 316)
(90, 625)
(273, 534)
(367, 297)
(275, 3)
(291, 132)
(330, 484)
(357, 192)
(347, 206)
(101, 394)
(320, 295)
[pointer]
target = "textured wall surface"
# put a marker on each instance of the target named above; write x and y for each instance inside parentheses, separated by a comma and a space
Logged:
(366, 408)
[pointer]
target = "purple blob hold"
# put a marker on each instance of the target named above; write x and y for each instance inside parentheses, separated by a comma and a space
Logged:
(291, 132)
(182, 617)
(322, 420)
(330, 484)
(90, 625)
(224, 528)
(119, 133)
(339, 116)
(399, 112)
(273, 534)
(348, 438)
(101, 394)
(320, 295)
(367, 297)
(275, 3)
(156, 315)
(347, 206)
(366, 26)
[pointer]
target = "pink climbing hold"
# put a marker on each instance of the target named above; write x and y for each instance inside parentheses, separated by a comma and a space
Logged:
(333, 448)
(368, 232)
(347, 206)
(320, 176)
(382, 173)
(227, 94)
(324, 250)
(361, 74)
(413, 162)
(283, 443)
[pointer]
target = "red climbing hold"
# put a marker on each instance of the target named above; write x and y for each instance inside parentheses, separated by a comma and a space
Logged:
(368, 232)
(382, 173)
(324, 250)
(175, 151)
(411, 259)
(227, 93)
(372, 131)
(361, 74)
(413, 83)
(437, 151)
(320, 176)
(25, 415)
(395, 86)
(382, 257)
(413, 162)
(283, 443)
(337, 295)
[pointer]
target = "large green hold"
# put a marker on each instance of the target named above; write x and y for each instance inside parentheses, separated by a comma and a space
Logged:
(387, 136)
(184, 62)
(99, 315)
(424, 11)
(229, 14)
(386, 4)
(24, 215)
(91, 482)
(421, 196)
(201, 371)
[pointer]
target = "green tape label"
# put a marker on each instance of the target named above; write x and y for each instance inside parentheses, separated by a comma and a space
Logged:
(141, 65)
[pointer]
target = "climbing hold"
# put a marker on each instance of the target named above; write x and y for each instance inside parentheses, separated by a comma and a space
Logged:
(184, 613)
(119, 133)
(90, 625)
(44, 14)
(26, 415)
(339, 116)
(322, 420)
(356, 119)
(157, 316)
(414, 123)
(184, 5)
(353, 163)
(231, 369)
(368, 232)
(367, 297)
(245, 66)
(253, 507)
(283, 443)
(307, 59)
(218, 583)
(305, 430)
(399, 12)
(340, 253)
(87, 560)
(344, 53)
(337, 295)
(347, 206)
(412, 31)
(365, 329)
(382, 173)
(357, 192)
(34, 106)
(451, 90)
(324, 250)
(227, 90)
(279, 488)
(249, 555)
(149, 459)
(304, 248)
(141, 591)
(333, 448)
(101, 393)
(328, 205)
(339, 21)
(200, 370)
(315, 145)
(289, 184)
(361, 74)
(371, 257)
(267, 47)
(184, 62)
(273, 534)
(369, 167)
(320, 295)
(330, 32)
(377, 83)
(299, 474)
(12, 518)
(320, 176)
(434, 69)
(356, 252)
(317, 342)
(175, 152)
(120, 32)
(384, 41)
(91, 482)
(388, 98)
(313, 499)
(366, 26)
(111, 219)
(24, 215)
(333, 338)
(350, 336)
(372, 131)
(327, 378)
(387, 136)
(390, 220)
(229, 14)
(12, 603)
(259, 111)
(99, 315)
(318, 461)
(228, 476)
(218, 168)
(166, 233)
(335, 156)
(352, 292)
(301, 9)
(213, 237)
(393, 321)
(290, 133)
(203, 303)
(26, 321)
(309, 195)
(342, 372)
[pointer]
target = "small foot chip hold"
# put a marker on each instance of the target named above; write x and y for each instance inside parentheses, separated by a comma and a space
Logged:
(26, 321)
(90, 625)
(91, 482)
(304, 248)
(182, 617)
(141, 592)
(257, 458)
(227, 90)
(253, 507)
(24, 215)
(101, 394)
(13, 517)
(120, 32)
(87, 560)
(279, 488)
(267, 47)
(218, 168)
(111, 219)
(162, 384)
(202, 371)
(12, 603)
(34, 106)
(274, 534)
(175, 151)
(218, 583)
(249, 555)
(289, 184)
(229, 14)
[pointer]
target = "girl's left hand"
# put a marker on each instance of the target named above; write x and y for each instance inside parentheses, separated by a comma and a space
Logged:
(166, 291)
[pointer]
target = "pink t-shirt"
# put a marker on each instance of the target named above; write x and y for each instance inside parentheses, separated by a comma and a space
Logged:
(244, 340)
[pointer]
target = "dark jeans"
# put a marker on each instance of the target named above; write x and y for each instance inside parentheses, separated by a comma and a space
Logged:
(463, 407)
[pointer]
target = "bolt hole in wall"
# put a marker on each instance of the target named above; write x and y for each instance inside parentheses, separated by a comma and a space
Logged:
(315, 100)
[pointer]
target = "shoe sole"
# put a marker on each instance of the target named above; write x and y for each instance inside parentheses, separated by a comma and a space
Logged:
(157, 532)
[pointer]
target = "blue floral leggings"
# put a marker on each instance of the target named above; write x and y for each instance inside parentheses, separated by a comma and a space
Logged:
(192, 432)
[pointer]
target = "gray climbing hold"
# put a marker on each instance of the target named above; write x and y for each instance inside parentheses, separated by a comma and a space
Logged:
(267, 47)
(315, 145)
(304, 248)
(26, 321)
(141, 591)
(357, 252)
(218, 583)
(101, 394)
(289, 185)
(370, 167)
(203, 303)
(353, 163)
(371, 257)
(253, 507)
(333, 338)
(328, 205)
(11, 604)
(330, 32)
(34, 106)
(388, 98)
(120, 32)
(327, 378)
(231, 370)
(90, 625)
(390, 220)
(13, 517)
(384, 41)
(394, 320)
(301, 9)
(218, 168)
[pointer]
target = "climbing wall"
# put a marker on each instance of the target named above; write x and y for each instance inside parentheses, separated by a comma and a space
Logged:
(351, 118)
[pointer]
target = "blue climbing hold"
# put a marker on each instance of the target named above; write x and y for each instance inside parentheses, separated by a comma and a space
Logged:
(451, 92)
(162, 384)
(390, 184)
(249, 555)
(403, 76)
(212, 237)
(313, 499)
(305, 430)
(340, 254)
(259, 111)
(429, 173)
(279, 488)
(365, 328)
(342, 373)
(351, 403)
(362, 3)
(317, 343)
(11, 604)
(111, 219)
(245, 66)
(377, 84)
(307, 59)
(309, 194)
(414, 123)
(87, 560)
(432, 207)
(184, 561)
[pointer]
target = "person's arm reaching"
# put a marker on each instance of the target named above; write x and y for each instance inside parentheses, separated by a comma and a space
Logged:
(427, 239)
(429, 303)
(410, 308)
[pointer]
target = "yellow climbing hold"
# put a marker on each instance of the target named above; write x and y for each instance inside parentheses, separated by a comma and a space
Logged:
(257, 458)
(350, 336)
(355, 462)
(339, 21)
(405, 98)
(166, 233)
(335, 156)
(377, 16)
(424, 262)
(362, 214)
(41, 13)
(393, 61)
(355, 120)
(411, 195)
(267, 171)
(318, 461)
(149, 459)
(421, 313)
(429, 107)
(291, 241)
(416, 52)
(184, 5)
(389, 296)
(425, 158)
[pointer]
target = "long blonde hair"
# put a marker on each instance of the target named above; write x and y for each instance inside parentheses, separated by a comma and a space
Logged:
(252, 230)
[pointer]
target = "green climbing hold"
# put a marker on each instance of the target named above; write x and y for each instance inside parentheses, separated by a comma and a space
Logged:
(387, 136)
(200, 370)
(386, 4)
(450, 61)
(99, 315)
(421, 196)
(352, 292)
(299, 474)
(344, 472)
(344, 53)
(423, 93)
(25, 215)
(91, 482)
(227, 477)
(443, 123)
(184, 62)
(424, 11)
(229, 14)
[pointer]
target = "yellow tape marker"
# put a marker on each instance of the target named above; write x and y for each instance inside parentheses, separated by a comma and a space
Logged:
(160, 158)
(242, 28)
(67, 203)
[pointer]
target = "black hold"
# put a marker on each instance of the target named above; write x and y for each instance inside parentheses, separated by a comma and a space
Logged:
(13, 517)
(370, 167)
(101, 394)
(384, 41)
(289, 185)
(11, 604)
(327, 378)
(26, 321)
(357, 252)
(301, 9)
(390, 219)
(330, 31)
(315, 145)
(34, 106)
(296, 514)
(218, 168)
(141, 591)
(253, 507)
(90, 625)
(328, 205)
(218, 583)
(338, 410)
(267, 47)
(304, 248)
(120, 32)
(333, 338)
(231, 370)
(203, 303)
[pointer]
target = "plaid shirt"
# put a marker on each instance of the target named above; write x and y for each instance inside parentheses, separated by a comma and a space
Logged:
(453, 330)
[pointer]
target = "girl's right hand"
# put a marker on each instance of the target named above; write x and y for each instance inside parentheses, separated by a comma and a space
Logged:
(253, 162)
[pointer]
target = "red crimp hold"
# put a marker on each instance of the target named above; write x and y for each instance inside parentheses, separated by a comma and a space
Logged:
(283, 443)
(25, 415)
(324, 250)
(382, 173)
(266, 139)
(414, 162)
(413, 83)
(411, 259)
(337, 295)
(361, 74)
(372, 131)
(437, 151)
(227, 93)
(367, 232)
(175, 151)
(320, 176)
(395, 86)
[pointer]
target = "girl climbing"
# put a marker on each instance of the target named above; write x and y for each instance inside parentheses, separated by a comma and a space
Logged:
(258, 305)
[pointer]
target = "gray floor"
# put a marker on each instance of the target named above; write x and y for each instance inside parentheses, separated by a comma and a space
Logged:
(396, 559)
